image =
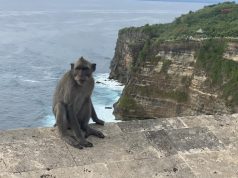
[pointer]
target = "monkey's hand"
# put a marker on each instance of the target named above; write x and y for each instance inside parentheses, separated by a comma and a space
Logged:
(99, 121)
(85, 143)
(78, 146)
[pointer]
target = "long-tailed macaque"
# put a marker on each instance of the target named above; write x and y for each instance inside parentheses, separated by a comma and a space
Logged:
(72, 105)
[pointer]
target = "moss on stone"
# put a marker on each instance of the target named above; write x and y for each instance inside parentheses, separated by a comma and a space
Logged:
(126, 102)
(130, 108)
(165, 66)
(153, 92)
(223, 73)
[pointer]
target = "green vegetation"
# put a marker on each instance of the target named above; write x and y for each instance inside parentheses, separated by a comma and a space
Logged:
(219, 20)
(165, 66)
(223, 73)
(126, 102)
(149, 91)
(215, 23)
(186, 81)
(210, 58)
(179, 96)
(144, 51)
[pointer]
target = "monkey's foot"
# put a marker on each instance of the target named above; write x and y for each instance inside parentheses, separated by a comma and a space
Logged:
(86, 144)
(100, 134)
(78, 146)
(72, 141)
(95, 133)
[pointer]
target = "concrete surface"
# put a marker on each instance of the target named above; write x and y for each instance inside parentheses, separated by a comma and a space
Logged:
(200, 146)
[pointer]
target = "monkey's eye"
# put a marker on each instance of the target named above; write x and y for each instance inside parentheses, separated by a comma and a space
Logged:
(82, 68)
(85, 68)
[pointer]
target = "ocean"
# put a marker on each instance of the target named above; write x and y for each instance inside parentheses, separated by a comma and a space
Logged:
(39, 40)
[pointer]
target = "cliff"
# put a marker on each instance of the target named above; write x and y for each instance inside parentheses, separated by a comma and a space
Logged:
(129, 44)
(183, 74)
(201, 146)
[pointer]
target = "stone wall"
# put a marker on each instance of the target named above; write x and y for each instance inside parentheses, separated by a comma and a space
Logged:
(200, 146)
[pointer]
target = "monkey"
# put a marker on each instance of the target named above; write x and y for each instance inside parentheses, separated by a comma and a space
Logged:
(93, 114)
(72, 105)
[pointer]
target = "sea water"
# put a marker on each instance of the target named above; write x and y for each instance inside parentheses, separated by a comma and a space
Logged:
(39, 40)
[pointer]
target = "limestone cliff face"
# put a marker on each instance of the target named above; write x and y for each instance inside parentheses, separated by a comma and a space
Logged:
(129, 43)
(232, 51)
(163, 78)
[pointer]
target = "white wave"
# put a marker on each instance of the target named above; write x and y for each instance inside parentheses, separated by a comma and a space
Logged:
(41, 67)
(103, 81)
(104, 114)
(48, 121)
(48, 75)
(23, 13)
(31, 81)
(18, 78)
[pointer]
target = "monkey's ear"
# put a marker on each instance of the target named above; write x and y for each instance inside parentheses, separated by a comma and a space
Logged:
(72, 66)
(93, 67)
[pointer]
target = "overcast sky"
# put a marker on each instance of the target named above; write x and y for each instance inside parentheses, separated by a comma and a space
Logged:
(76, 4)
(204, 1)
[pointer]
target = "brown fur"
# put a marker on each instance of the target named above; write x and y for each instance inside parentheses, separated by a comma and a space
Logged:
(72, 105)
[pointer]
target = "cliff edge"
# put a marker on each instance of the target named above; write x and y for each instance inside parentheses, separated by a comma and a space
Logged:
(188, 67)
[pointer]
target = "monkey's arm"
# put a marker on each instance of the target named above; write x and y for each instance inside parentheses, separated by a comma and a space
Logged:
(95, 117)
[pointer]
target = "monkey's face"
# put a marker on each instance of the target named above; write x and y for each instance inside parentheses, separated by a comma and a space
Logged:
(81, 74)
(83, 71)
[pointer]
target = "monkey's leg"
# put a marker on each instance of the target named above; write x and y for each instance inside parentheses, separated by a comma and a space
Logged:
(95, 117)
(91, 131)
(77, 129)
(62, 125)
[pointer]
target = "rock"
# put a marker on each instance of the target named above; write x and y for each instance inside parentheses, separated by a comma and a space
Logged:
(168, 83)
(129, 43)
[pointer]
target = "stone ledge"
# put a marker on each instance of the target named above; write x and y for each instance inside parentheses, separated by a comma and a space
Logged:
(199, 146)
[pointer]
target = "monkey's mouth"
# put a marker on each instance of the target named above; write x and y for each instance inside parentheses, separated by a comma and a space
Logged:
(80, 81)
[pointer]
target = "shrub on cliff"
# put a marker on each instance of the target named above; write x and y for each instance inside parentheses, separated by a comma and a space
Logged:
(222, 73)
(219, 20)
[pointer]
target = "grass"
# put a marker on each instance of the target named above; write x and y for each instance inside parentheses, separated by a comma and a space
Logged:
(223, 73)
